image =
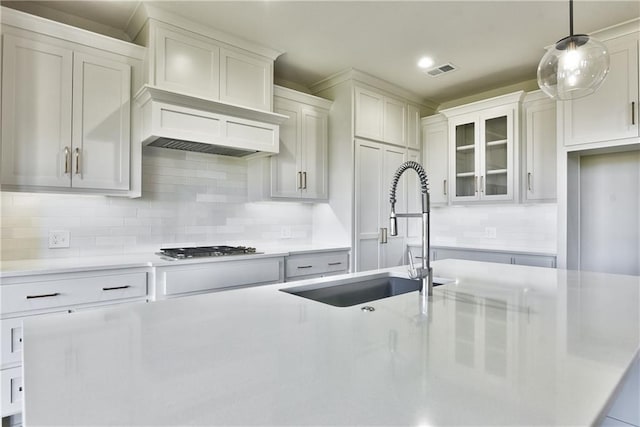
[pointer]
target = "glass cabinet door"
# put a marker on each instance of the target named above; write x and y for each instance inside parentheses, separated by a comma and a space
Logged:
(465, 160)
(495, 156)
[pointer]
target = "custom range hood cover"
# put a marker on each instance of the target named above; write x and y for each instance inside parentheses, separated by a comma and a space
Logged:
(180, 121)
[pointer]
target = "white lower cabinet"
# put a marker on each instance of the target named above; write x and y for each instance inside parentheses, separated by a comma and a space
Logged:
(318, 264)
(502, 257)
(203, 277)
(54, 294)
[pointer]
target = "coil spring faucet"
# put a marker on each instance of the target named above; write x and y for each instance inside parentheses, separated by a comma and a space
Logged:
(425, 273)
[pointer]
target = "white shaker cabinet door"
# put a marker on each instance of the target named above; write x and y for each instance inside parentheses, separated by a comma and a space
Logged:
(101, 115)
(393, 249)
(395, 117)
(187, 63)
(436, 159)
(246, 80)
(612, 111)
(369, 164)
(315, 153)
(540, 142)
(36, 113)
(286, 171)
(369, 114)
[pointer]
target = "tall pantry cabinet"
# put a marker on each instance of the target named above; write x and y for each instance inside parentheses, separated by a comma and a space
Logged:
(374, 127)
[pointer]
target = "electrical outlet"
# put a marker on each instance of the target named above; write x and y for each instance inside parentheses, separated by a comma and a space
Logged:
(490, 232)
(285, 232)
(59, 239)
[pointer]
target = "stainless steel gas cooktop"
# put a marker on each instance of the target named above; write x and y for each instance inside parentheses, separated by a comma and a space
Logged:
(206, 251)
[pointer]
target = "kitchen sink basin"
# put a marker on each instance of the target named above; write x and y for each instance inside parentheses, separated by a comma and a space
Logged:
(357, 292)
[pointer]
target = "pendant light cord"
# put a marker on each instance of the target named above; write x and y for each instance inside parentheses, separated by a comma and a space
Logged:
(571, 18)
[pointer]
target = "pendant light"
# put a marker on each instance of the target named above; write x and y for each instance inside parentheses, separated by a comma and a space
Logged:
(574, 67)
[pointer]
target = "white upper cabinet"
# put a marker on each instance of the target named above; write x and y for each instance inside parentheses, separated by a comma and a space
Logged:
(186, 63)
(481, 149)
(36, 112)
(539, 180)
(414, 141)
(300, 169)
(245, 80)
(379, 117)
(436, 155)
(65, 115)
(195, 64)
(369, 114)
(395, 119)
(101, 117)
(611, 113)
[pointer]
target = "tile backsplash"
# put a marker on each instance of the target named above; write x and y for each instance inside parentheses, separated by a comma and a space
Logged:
(188, 198)
(197, 199)
(509, 227)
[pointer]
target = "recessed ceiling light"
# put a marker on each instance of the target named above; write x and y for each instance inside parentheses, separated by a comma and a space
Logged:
(425, 62)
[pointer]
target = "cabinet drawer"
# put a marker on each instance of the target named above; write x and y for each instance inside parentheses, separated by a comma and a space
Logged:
(219, 275)
(11, 340)
(11, 391)
(72, 291)
(306, 265)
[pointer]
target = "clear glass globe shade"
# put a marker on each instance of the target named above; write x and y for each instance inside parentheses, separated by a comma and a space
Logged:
(574, 67)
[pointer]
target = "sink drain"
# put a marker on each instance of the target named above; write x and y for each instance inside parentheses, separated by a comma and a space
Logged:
(367, 308)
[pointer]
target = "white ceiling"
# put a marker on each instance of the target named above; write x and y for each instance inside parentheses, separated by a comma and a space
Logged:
(494, 43)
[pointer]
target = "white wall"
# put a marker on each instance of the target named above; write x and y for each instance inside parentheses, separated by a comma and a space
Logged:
(188, 198)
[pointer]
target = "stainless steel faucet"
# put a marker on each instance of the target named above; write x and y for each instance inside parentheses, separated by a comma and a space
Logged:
(425, 273)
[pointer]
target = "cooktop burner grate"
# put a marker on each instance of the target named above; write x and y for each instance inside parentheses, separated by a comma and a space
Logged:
(206, 251)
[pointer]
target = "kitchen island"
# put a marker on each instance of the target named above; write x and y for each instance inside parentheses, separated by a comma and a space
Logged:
(502, 344)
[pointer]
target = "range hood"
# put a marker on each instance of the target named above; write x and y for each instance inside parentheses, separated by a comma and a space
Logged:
(180, 121)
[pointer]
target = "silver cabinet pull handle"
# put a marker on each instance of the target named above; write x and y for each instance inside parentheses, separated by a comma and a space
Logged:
(633, 113)
(482, 184)
(55, 294)
(445, 187)
(383, 235)
(335, 263)
(113, 288)
(529, 181)
(66, 159)
(475, 182)
(305, 266)
(304, 180)
(299, 180)
(77, 150)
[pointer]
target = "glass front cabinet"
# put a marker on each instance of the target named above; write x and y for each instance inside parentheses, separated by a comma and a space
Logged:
(481, 156)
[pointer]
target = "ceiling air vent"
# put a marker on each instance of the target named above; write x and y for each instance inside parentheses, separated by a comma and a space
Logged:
(441, 69)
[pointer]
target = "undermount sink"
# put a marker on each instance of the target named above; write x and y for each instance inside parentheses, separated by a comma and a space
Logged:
(357, 292)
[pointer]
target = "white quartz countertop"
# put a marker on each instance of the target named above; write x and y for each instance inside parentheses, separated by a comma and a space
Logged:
(147, 259)
(502, 345)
